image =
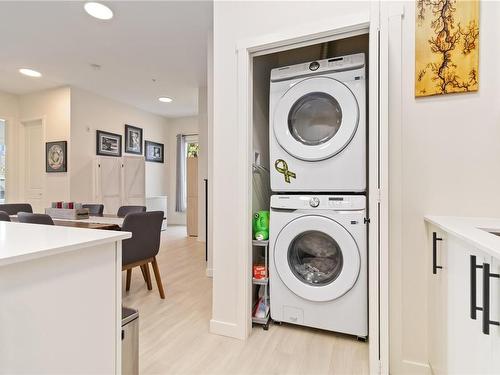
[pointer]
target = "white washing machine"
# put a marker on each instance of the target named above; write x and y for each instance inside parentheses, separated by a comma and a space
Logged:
(318, 262)
(318, 126)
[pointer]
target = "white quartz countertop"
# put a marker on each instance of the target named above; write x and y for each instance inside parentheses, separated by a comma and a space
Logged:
(473, 230)
(22, 242)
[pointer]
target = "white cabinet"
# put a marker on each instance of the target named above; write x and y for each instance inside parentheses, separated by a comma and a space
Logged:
(495, 316)
(468, 347)
(437, 310)
(458, 343)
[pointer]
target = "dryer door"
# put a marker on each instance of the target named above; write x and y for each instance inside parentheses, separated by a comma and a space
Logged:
(317, 258)
(316, 118)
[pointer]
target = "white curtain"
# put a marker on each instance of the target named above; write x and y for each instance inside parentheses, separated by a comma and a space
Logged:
(180, 184)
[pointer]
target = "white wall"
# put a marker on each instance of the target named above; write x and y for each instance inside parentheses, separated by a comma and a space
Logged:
(233, 22)
(447, 154)
(54, 107)
(9, 111)
(181, 125)
(90, 112)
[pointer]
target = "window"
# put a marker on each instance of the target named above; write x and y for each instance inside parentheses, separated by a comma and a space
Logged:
(2, 161)
(192, 150)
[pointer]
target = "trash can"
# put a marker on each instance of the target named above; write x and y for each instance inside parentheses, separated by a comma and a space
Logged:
(130, 341)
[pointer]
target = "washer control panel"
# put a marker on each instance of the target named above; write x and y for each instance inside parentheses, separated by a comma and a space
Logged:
(339, 203)
(319, 202)
(314, 202)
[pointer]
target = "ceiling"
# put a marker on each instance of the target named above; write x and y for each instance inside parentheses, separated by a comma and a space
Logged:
(149, 49)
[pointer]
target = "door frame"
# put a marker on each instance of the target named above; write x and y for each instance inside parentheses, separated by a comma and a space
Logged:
(8, 120)
(340, 27)
(21, 154)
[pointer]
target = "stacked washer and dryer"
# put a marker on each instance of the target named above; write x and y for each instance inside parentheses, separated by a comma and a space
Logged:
(318, 220)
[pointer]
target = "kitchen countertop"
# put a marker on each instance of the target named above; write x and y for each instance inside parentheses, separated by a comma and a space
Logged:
(473, 230)
(22, 242)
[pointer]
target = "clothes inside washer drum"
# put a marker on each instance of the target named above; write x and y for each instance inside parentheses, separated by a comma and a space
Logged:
(318, 270)
(315, 258)
(316, 244)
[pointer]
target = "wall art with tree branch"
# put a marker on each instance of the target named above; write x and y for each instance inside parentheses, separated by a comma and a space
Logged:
(446, 47)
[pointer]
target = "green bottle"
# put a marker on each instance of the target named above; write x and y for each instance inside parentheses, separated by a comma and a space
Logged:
(260, 225)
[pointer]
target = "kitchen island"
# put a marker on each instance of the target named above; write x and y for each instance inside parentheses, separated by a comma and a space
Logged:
(60, 299)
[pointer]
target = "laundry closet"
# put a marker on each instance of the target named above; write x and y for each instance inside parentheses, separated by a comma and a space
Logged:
(310, 172)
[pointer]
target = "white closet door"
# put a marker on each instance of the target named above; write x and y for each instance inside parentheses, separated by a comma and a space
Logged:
(134, 180)
(34, 165)
(109, 183)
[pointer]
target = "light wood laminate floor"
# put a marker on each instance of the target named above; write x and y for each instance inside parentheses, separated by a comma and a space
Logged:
(174, 337)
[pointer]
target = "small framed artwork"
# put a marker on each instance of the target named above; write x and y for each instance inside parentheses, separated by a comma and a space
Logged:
(133, 140)
(108, 144)
(154, 151)
(56, 157)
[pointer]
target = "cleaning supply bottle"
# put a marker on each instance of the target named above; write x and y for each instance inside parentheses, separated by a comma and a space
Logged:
(260, 225)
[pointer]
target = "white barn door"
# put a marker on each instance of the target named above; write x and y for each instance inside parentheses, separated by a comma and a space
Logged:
(120, 181)
(108, 187)
(134, 180)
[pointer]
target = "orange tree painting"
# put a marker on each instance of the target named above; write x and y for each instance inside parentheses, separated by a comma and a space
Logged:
(446, 46)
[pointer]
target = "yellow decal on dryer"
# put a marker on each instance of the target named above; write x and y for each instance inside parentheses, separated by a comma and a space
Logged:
(282, 167)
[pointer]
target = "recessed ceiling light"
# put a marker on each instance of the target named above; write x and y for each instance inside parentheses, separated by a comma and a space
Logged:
(98, 10)
(30, 72)
(165, 99)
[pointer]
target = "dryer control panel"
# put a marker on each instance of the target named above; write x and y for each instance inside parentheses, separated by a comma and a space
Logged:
(335, 64)
(319, 202)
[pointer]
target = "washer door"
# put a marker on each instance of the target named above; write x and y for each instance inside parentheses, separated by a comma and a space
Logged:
(317, 258)
(316, 118)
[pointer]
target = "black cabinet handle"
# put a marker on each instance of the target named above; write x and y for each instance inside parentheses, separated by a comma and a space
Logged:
(486, 298)
(473, 288)
(435, 239)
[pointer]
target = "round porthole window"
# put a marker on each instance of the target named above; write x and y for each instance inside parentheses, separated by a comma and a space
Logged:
(315, 118)
(315, 258)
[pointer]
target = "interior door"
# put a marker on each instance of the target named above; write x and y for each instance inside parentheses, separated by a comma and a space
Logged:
(317, 258)
(134, 180)
(34, 169)
(316, 118)
(109, 183)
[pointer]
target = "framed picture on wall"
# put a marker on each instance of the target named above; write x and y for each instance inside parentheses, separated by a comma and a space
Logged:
(133, 140)
(108, 144)
(154, 151)
(56, 157)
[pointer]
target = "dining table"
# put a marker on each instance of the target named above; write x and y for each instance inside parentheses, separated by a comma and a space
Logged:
(105, 222)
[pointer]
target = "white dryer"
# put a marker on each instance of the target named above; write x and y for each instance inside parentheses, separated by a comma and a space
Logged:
(318, 262)
(318, 126)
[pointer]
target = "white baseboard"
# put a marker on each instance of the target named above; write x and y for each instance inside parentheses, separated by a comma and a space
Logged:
(209, 272)
(411, 367)
(224, 329)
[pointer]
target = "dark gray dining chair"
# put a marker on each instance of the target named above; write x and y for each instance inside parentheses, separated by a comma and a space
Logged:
(142, 248)
(30, 218)
(4, 216)
(94, 209)
(14, 208)
(124, 210)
